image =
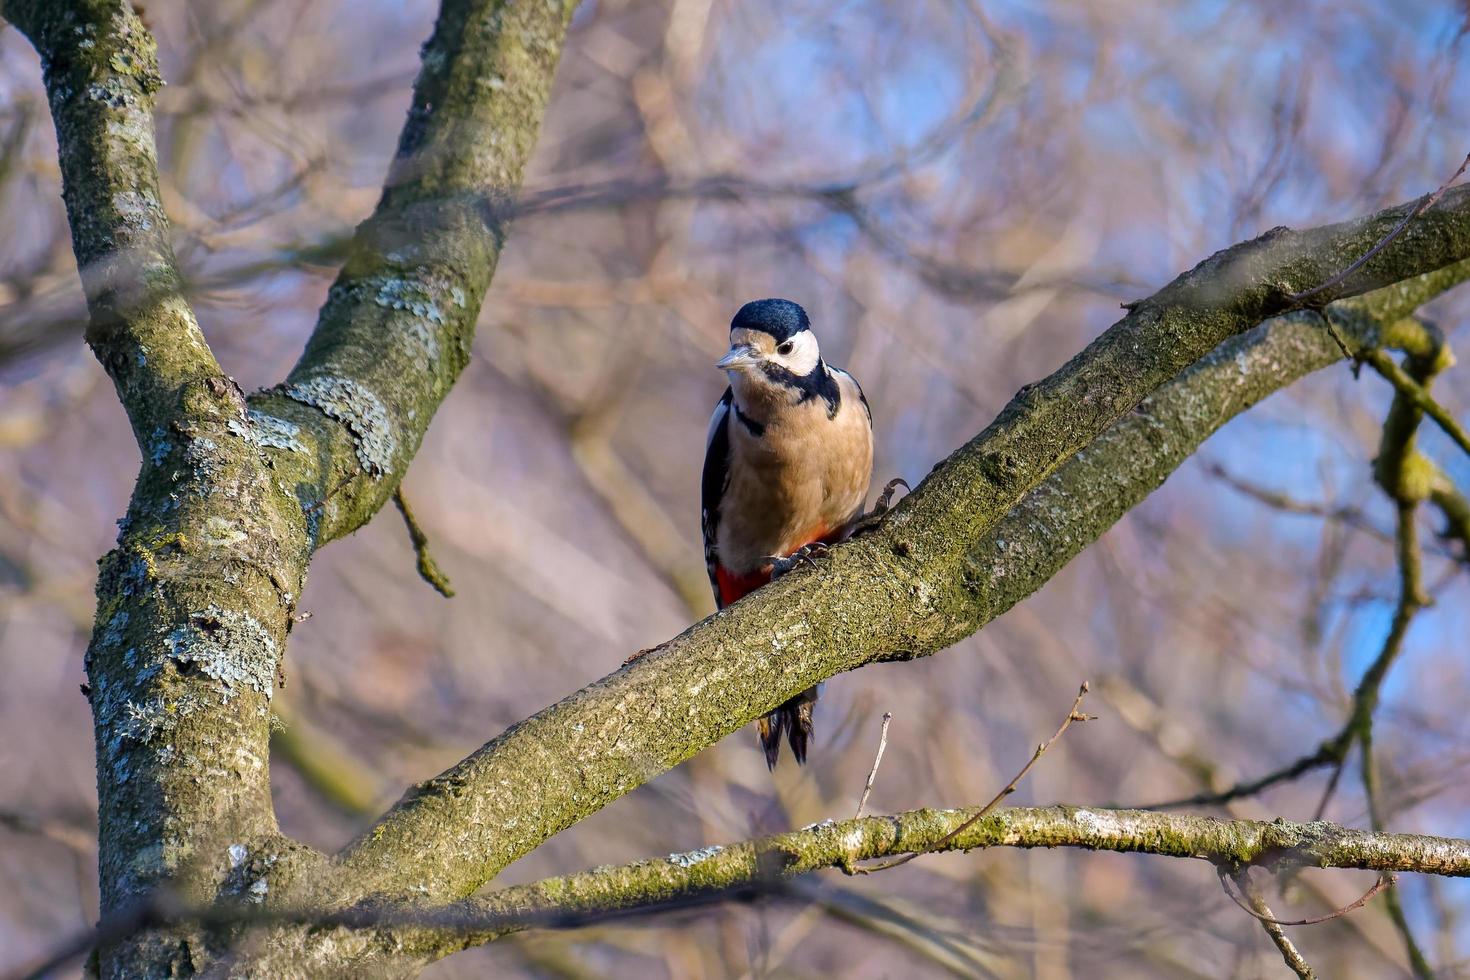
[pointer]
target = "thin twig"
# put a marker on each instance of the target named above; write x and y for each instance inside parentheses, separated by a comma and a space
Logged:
(877, 759)
(1410, 600)
(1333, 752)
(1341, 343)
(1289, 952)
(1385, 881)
(1418, 962)
(318, 505)
(429, 569)
(1351, 516)
(1424, 205)
(1325, 755)
(1072, 715)
(1331, 787)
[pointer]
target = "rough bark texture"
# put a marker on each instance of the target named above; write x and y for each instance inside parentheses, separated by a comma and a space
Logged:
(195, 603)
(842, 844)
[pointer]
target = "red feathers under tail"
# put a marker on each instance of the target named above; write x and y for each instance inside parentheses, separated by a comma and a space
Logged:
(792, 719)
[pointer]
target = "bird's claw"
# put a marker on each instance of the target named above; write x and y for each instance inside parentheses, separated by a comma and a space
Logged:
(806, 554)
(886, 497)
(880, 506)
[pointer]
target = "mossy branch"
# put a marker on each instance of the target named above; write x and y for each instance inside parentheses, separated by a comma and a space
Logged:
(932, 573)
(1399, 471)
(397, 326)
(763, 864)
(191, 617)
(416, 931)
(1419, 396)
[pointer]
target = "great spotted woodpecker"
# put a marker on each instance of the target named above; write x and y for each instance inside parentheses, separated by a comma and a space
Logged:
(787, 463)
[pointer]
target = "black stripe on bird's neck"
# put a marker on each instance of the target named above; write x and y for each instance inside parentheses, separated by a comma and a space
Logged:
(751, 425)
(819, 383)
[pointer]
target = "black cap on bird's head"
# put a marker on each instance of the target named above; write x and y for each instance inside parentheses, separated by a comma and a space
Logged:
(780, 318)
(773, 335)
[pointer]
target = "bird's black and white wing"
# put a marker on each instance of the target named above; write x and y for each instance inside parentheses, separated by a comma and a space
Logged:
(712, 484)
(861, 397)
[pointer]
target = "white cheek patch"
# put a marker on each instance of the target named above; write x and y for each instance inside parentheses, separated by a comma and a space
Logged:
(803, 357)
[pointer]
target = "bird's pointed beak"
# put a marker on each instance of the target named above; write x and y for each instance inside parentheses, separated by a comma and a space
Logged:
(738, 358)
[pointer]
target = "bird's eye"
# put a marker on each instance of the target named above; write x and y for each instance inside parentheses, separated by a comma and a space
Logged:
(786, 348)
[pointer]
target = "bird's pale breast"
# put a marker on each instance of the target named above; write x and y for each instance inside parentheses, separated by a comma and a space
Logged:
(803, 480)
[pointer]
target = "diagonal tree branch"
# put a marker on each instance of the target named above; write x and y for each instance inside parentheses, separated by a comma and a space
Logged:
(1289, 953)
(396, 329)
(914, 586)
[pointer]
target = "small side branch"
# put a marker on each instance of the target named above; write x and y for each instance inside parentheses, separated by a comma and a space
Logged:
(1425, 203)
(1258, 908)
(877, 761)
(1073, 714)
(1387, 881)
(429, 569)
(1328, 753)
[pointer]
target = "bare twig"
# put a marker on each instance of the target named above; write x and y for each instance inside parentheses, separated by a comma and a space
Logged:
(1331, 787)
(1325, 755)
(317, 505)
(1424, 205)
(877, 759)
(1266, 917)
(1072, 715)
(1418, 962)
(429, 569)
(1385, 881)
(1341, 342)
(1351, 516)
(1410, 600)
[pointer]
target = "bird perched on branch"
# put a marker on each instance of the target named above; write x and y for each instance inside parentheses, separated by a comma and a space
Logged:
(786, 469)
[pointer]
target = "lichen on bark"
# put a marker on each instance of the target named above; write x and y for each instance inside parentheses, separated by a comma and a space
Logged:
(196, 601)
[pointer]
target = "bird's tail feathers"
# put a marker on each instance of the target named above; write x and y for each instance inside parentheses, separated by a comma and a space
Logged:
(793, 719)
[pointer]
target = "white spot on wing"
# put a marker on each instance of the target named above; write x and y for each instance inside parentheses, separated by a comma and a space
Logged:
(715, 420)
